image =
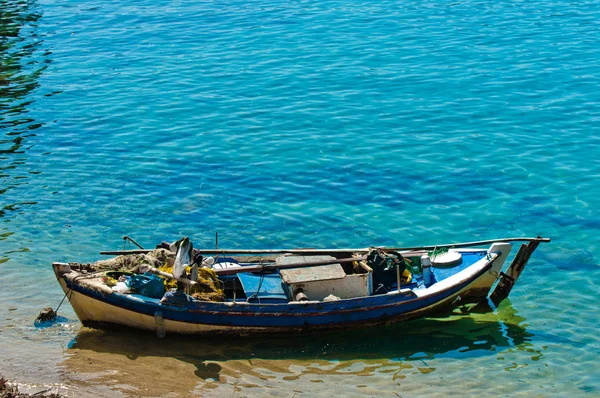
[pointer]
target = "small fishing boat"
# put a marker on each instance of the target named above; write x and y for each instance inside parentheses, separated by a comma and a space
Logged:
(176, 288)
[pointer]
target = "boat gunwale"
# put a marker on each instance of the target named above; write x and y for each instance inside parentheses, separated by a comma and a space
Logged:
(294, 309)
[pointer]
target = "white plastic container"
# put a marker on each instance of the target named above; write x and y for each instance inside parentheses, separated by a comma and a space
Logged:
(121, 287)
(225, 265)
(208, 261)
(426, 265)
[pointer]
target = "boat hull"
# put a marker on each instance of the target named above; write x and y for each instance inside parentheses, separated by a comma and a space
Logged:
(101, 308)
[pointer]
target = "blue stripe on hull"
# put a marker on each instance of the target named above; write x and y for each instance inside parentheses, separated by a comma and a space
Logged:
(360, 310)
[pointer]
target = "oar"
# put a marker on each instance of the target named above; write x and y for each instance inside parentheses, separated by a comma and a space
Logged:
(264, 268)
(326, 251)
(259, 268)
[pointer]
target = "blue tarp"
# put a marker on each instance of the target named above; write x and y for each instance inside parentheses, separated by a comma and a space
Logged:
(147, 285)
(269, 290)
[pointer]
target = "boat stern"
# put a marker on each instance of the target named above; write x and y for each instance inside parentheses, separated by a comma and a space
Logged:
(503, 250)
(483, 285)
(481, 277)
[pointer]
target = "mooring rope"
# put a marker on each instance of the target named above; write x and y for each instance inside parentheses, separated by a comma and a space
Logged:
(48, 314)
(260, 282)
(63, 299)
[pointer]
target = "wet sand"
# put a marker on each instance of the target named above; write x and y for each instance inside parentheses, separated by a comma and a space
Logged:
(389, 360)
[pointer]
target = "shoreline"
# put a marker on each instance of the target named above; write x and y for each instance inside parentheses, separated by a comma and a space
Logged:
(10, 389)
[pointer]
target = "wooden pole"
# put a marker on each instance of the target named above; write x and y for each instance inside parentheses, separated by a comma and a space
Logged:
(259, 268)
(264, 268)
(170, 276)
(327, 251)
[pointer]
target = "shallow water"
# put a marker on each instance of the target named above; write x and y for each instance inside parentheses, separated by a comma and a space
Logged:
(303, 125)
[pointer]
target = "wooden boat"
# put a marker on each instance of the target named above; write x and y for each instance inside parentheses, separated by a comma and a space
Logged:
(286, 290)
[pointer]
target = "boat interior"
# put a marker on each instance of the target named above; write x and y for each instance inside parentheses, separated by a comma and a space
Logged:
(288, 277)
(329, 282)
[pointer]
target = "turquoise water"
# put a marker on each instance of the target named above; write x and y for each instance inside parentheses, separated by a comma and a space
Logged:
(305, 124)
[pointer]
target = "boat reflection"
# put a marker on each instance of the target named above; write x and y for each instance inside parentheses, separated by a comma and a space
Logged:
(481, 331)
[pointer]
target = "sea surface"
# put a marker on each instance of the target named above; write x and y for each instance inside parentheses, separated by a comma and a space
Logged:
(303, 124)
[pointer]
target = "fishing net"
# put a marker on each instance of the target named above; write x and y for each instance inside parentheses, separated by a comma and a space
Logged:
(155, 258)
(207, 289)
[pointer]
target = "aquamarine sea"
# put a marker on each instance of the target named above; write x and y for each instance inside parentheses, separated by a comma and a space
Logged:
(303, 124)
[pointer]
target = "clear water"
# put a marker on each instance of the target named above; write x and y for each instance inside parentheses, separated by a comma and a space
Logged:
(296, 124)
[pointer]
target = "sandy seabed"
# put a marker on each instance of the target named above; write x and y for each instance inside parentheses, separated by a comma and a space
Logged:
(465, 355)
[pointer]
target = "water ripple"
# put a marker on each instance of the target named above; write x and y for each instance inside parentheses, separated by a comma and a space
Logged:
(310, 124)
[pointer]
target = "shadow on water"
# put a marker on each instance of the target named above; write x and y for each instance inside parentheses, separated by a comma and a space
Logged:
(482, 331)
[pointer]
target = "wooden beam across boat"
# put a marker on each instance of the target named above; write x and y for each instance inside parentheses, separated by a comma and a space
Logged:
(328, 251)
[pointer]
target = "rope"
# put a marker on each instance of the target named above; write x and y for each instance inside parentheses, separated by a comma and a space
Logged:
(260, 282)
(70, 291)
(48, 314)
(127, 238)
(63, 299)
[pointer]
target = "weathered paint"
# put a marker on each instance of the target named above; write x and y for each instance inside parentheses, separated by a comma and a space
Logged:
(349, 286)
(93, 305)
